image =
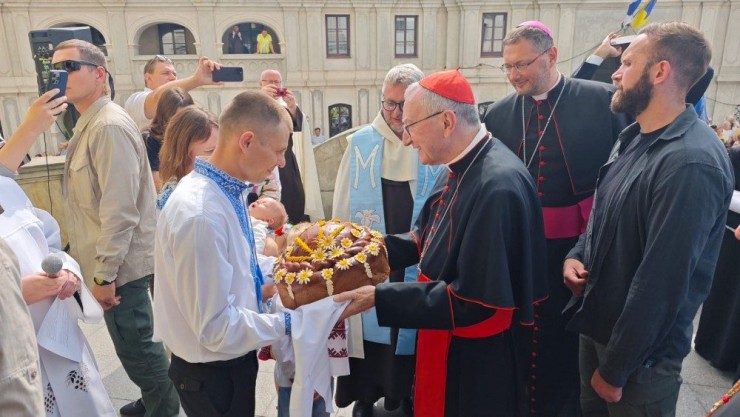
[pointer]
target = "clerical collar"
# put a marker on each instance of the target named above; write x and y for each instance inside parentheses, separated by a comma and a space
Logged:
(482, 134)
(232, 186)
(543, 96)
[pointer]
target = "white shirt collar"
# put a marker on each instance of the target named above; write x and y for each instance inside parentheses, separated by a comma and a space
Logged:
(482, 133)
(543, 96)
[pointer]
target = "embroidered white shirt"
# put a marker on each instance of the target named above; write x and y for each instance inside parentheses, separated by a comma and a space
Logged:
(205, 306)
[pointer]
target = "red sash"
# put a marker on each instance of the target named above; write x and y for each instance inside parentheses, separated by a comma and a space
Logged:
(565, 222)
(431, 359)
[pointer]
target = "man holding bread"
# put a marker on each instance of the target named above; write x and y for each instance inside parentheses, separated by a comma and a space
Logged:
(208, 292)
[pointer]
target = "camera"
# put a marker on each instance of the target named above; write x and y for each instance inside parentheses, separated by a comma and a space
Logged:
(282, 92)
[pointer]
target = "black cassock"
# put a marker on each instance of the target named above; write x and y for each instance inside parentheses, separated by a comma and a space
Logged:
(484, 252)
(575, 143)
(292, 194)
(718, 334)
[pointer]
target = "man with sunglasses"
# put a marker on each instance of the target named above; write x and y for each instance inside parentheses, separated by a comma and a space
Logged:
(562, 130)
(110, 205)
(381, 184)
(159, 75)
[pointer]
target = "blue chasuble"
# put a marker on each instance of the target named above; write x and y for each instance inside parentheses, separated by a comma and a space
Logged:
(366, 208)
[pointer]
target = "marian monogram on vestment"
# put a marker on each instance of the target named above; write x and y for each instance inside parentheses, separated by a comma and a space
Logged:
(365, 164)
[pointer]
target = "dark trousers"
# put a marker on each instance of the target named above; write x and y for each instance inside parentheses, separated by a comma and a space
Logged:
(650, 391)
(130, 325)
(216, 389)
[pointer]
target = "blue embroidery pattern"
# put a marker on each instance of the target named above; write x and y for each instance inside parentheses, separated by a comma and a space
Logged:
(233, 189)
(166, 192)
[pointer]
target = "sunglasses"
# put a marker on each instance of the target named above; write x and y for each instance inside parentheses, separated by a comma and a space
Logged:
(71, 65)
(149, 66)
(161, 58)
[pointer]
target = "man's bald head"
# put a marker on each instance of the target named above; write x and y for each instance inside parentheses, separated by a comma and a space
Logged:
(271, 76)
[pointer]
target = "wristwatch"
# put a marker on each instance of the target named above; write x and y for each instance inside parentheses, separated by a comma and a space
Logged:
(102, 282)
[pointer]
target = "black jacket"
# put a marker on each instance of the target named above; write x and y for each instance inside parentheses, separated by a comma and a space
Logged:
(652, 259)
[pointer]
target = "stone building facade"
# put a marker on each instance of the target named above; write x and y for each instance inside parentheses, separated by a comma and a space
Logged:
(334, 54)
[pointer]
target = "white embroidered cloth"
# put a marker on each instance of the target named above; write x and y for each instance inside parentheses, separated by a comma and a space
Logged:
(318, 349)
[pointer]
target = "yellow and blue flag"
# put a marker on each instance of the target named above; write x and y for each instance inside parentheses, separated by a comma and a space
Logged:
(637, 14)
(641, 17)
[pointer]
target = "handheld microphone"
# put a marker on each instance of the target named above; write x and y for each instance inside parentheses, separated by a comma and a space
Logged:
(52, 264)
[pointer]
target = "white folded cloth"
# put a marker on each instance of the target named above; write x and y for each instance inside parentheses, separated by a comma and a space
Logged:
(318, 350)
(735, 202)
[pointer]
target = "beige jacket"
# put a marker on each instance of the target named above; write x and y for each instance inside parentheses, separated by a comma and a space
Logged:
(109, 196)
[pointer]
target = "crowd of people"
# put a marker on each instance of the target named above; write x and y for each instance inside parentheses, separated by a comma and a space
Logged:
(729, 131)
(547, 261)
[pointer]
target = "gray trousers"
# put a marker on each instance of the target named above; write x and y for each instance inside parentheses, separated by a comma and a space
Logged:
(650, 391)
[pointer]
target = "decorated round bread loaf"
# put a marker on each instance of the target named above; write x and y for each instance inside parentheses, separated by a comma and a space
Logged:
(328, 258)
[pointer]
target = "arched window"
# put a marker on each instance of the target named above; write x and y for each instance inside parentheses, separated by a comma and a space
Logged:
(241, 38)
(97, 38)
(166, 39)
(340, 118)
(172, 39)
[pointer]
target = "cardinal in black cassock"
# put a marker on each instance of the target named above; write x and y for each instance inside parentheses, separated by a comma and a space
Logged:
(479, 242)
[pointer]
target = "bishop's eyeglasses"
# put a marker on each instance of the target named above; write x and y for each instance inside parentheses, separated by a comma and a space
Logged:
(506, 69)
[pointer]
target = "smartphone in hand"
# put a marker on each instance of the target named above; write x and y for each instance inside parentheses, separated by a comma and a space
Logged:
(623, 41)
(231, 74)
(57, 79)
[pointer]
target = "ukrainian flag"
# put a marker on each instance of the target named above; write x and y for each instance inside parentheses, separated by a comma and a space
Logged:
(641, 17)
(637, 14)
(631, 9)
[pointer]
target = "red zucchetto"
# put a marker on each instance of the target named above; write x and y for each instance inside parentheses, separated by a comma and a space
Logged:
(449, 84)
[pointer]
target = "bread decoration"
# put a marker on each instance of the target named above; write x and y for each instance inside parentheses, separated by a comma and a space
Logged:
(330, 257)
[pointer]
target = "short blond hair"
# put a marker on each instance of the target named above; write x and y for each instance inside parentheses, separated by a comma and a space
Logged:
(149, 66)
(89, 53)
(251, 110)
